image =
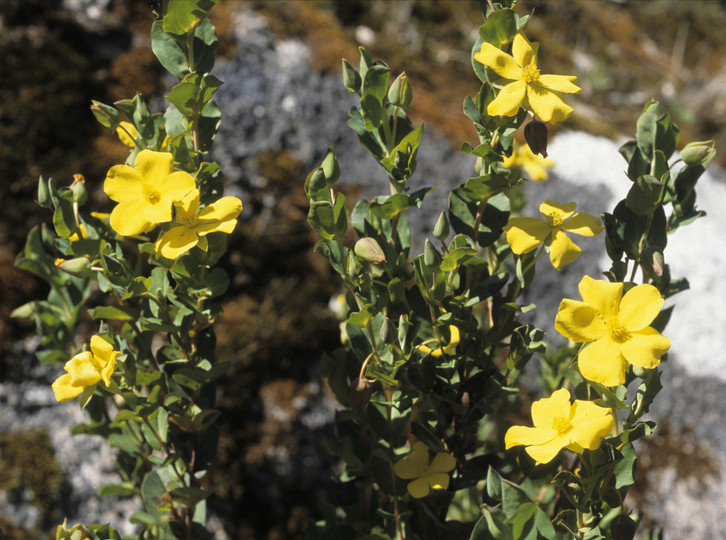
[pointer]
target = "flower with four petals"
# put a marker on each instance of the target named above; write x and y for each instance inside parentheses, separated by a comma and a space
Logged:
(524, 234)
(616, 328)
(192, 227)
(86, 369)
(425, 476)
(527, 85)
(145, 192)
(560, 424)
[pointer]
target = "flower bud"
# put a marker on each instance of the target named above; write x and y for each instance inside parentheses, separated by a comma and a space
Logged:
(361, 391)
(697, 153)
(441, 229)
(78, 187)
(45, 198)
(368, 249)
(330, 167)
(535, 133)
(431, 256)
(80, 266)
(106, 115)
(653, 259)
(400, 91)
(25, 311)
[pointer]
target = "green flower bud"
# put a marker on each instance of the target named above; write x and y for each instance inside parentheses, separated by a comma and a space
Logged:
(652, 258)
(400, 91)
(106, 115)
(368, 249)
(535, 133)
(79, 266)
(441, 229)
(431, 256)
(45, 198)
(330, 167)
(698, 153)
(78, 187)
(25, 311)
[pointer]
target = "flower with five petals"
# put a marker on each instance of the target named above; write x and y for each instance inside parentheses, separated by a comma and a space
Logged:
(616, 328)
(193, 226)
(524, 234)
(559, 424)
(526, 85)
(86, 369)
(145, 192)
(425, 476)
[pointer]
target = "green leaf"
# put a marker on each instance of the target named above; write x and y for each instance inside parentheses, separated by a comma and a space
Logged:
(182, 15)
(120, 313)
(375, 82)
(118, 489)
(644, 195)
(63, 219)
(456, 257)
(646, 128)
(513, 497)
(351, 78)
(321, 218)
(500, 27)
(168, 51)
(372, 112)
(462, 215)
(152, 490)
(205, 46)
(491, 526)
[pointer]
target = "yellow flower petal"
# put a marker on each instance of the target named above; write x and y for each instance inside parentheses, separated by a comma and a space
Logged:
(560, 83)
(419, 488)
(579, 321)
(508, 100)
(590, 424)
(639, 306)
(602, 362)
(523, 52)
(122, 183)
(219, 216)
(583, 224)
(547, 105)
(499, 61)
(176, 241)
(546, 452)
(414, 464)
(153, 166)
(82, 369)
(104, 357)
(127, 133)
(442, 463)
(525, 233)
(128, 217)
(644, 348)
(563, 251)
(557, 210)
(438, 480)
(522, 435)
(602, 295)
(64, 390)
(543, 410)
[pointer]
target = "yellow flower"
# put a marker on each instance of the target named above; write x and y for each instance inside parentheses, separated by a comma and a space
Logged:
(425, 476)
(447, 349)
(220, 216)
(525, 233)
(145, 192)
(127, 133)
(559, 424)
(75, 237)
(541, 91)
(533, 164)
(616, 327)
(86, 369)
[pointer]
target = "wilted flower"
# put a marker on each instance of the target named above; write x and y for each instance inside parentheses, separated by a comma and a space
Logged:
(559, 424)
(86, 369)
(616, 326)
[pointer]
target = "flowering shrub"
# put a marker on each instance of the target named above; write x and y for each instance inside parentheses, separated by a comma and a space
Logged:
(434, 348)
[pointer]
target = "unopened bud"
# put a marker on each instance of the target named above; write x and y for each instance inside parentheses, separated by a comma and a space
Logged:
(431, 256)
(45, 198)
(78, 187)
(697, 153)
(361, 391)
(399, 93)
(368, 249)
(535, 133)
(106, 115)
(330, 167)
(653, 258)
(80, 266)
(441, 229)
(25, 311)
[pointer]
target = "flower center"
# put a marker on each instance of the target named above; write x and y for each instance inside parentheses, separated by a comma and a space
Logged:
(151, 195)
(530, 73)
(618, 332)
(554, 219)
(561, 424)
(189, 221)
